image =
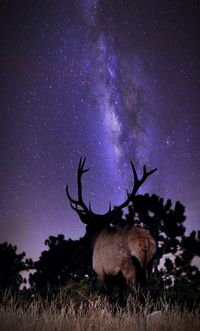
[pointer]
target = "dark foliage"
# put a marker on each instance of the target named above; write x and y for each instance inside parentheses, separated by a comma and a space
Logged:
(12, 264)
(65, 260)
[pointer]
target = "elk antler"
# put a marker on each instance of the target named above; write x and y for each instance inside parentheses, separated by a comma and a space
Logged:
(75, 204)
(137, 184)
(86, 213)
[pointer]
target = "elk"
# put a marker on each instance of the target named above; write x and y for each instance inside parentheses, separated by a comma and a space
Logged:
(117, 249)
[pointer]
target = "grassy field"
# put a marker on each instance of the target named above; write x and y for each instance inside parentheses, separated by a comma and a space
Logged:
(91, 315)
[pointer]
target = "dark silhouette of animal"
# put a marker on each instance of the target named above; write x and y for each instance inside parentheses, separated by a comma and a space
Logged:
(117, 249)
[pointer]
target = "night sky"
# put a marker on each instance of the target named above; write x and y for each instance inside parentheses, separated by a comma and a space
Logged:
(113, 80)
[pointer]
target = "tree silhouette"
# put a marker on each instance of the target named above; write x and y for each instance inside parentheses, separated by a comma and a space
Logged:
(63, 261)
(12, 264)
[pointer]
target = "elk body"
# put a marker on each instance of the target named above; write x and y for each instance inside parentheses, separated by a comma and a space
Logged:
(116, 252)
(117, 249)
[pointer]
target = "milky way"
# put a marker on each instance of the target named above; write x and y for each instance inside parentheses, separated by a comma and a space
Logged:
(111, 80)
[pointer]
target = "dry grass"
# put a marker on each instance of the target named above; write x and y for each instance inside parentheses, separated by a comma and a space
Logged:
(91, 315)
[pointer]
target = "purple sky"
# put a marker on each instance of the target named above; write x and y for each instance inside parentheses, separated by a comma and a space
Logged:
(111, 80)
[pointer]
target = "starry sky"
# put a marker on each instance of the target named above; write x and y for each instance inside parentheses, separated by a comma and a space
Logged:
(111, 80)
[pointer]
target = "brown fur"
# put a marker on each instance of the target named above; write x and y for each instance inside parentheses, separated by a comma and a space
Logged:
(113, 252)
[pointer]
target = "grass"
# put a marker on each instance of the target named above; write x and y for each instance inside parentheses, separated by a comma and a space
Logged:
(63, 314)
